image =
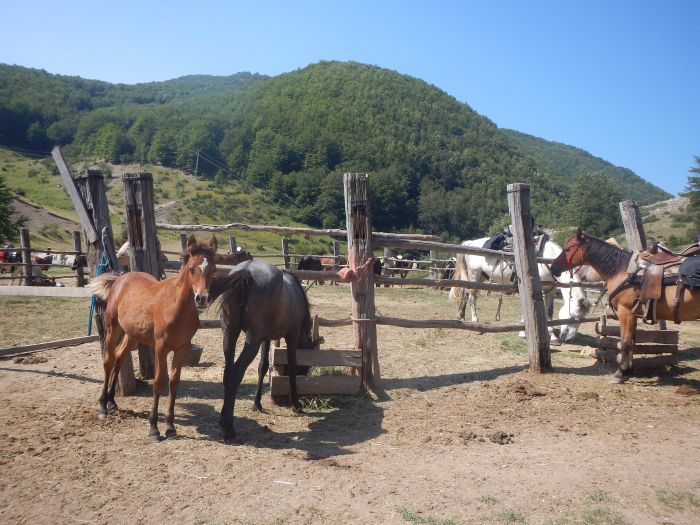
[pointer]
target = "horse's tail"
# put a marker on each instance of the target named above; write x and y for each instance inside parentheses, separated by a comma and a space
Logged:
(306, 324)
(102, 284)
(460, 274)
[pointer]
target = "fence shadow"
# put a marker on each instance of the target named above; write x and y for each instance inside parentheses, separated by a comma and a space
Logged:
(423, 383)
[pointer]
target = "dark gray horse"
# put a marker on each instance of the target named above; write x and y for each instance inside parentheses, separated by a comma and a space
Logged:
(266, 304)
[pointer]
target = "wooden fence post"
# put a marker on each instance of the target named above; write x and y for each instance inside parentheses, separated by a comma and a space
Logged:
(26, 255)
(634, 233)
(434, 273)
(529, 285)
(144, 254)
(183, 242)
(91, 187)
(336, 254)
(358, 217)
(89, 197)
(80, 274)
(285, 252)
(233, 244)
(634, 230)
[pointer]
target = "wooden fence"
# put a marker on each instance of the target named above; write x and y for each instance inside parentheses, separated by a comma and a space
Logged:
(361, 242)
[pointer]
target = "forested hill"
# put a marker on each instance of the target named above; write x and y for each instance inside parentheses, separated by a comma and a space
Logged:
(569, 163)
(434, 163)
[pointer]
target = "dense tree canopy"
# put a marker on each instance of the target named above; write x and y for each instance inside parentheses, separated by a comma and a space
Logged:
(9, 227)
(594, 205)
(434, 163)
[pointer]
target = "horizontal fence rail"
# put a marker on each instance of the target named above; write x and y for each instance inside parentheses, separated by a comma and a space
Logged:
(285, 230)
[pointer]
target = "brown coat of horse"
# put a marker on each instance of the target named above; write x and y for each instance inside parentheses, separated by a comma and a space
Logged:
(160, 314)
(611, 263)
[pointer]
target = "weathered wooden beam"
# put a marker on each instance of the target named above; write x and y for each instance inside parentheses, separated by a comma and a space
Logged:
(634, 229)
(44, 291)
(285, 230)
(11, 351)
(327, 357)
(74, 194)
(26, 255)
(642, 336)
(612, 343)
(358, 220)
(144, 253)
(529, 285)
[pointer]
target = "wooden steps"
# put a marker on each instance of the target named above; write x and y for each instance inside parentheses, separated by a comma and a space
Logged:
(661, 344)
(310, 385)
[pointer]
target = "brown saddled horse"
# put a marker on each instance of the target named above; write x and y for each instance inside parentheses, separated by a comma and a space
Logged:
(612, 264)
(160, 314)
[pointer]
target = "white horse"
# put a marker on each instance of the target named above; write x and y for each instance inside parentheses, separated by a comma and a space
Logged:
(480, 268)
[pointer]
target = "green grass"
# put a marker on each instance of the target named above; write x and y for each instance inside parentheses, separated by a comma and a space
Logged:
(678, 500)
(514, 344)
(511, 516)
(594, 516)
(415, 518)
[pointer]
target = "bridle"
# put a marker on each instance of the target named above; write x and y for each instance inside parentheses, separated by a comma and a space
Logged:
(576, 247)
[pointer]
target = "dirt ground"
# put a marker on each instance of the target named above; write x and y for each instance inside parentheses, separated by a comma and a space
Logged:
(463, 434)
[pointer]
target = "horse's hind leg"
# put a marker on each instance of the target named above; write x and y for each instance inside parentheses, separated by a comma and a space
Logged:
(263, 367)
(161, 372)
(127, 345)
(179, 358)
(109, 360)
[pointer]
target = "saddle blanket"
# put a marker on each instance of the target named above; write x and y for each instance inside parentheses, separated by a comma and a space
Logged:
(690, 272)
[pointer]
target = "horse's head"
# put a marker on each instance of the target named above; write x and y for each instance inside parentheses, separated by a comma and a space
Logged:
(199, 264)
(572, 254)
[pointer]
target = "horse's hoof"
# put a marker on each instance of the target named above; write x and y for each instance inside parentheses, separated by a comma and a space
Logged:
(229, 432)
(619, 379)
(112, 408)
(155, 437)
(258, 408)
(170, 433)
(102, 414)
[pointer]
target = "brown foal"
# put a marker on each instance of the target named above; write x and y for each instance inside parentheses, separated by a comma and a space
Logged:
(161, 314)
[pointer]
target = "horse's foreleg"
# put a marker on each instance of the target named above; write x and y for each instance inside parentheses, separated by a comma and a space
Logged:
(179, 358)
(161, 372)
(263, 367)
(230, 336)
(292, 343)
(233, 375)
(628, 325)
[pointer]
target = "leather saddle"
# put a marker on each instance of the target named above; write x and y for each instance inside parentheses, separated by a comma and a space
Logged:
(661, 268)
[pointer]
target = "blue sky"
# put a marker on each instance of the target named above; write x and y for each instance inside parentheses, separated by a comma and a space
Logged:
(619, 79)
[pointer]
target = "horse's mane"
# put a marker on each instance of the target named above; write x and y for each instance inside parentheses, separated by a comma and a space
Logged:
(605, 257)
(200, 248)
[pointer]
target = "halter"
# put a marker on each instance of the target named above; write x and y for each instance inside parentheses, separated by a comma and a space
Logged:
(575, 249)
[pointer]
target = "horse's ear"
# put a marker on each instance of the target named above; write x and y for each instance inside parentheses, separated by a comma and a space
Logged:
(191, 243)
(579, 234)
(213, 243)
